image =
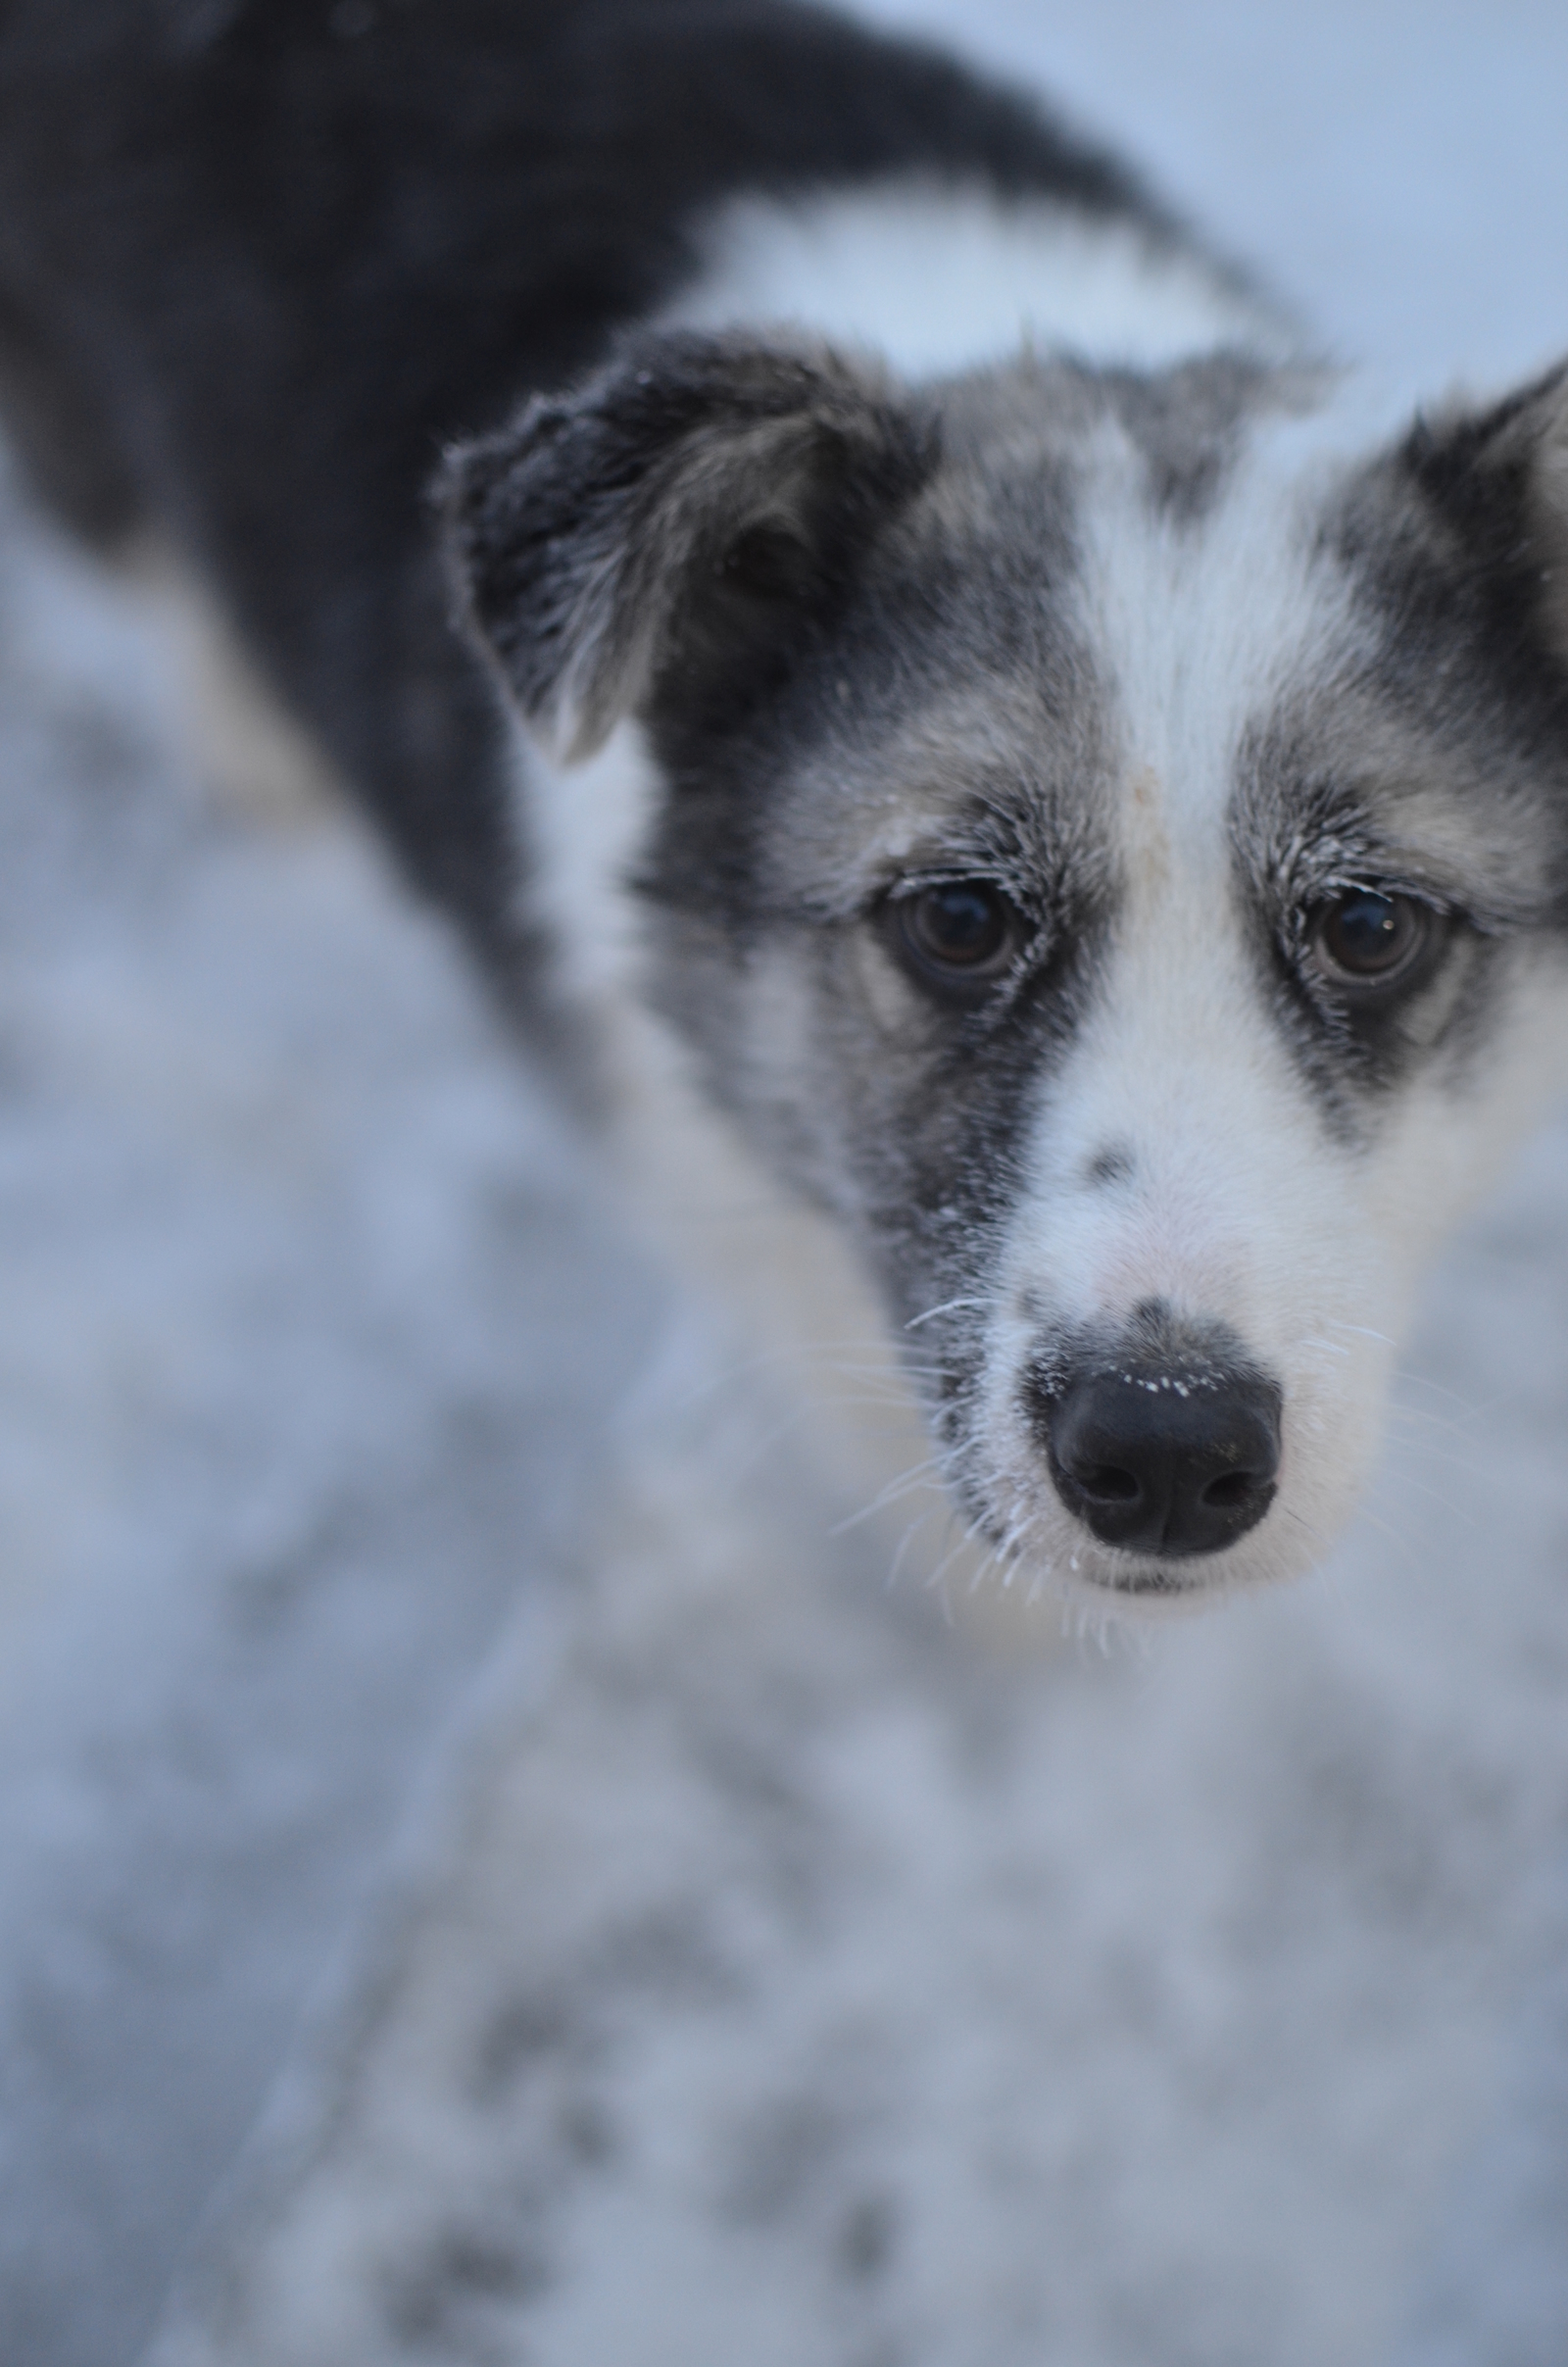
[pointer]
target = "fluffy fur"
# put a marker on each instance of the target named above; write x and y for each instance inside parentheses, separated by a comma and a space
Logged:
(1020, 795)
(1154, 658)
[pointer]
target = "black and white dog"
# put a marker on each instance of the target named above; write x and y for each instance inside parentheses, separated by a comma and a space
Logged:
(994, 745)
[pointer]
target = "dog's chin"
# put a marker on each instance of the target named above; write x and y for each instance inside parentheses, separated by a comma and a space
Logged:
(1137, 1588)
(1142, 1587)
(1061, 1562)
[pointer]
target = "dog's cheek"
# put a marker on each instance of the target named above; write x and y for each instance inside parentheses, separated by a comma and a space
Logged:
(894, 1009)
(852, 1091)
(1442, 1145)
(883, 1088)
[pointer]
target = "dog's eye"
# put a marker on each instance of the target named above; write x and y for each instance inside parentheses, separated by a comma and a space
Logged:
(1361, 939)
(960, 935)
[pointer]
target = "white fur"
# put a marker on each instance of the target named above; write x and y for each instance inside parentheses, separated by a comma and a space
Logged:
(938, 278)
(586, 825)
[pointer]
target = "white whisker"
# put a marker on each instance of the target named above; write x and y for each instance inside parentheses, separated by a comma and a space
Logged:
(946, 1309)
(905, 1484)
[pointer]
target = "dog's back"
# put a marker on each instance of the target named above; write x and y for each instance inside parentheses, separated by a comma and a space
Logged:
(259, 264)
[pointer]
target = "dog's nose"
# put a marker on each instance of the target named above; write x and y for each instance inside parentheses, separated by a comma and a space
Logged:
(1164, 1463)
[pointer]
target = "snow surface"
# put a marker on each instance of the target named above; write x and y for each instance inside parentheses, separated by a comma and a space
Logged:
(308, 1314)
(310, 1307)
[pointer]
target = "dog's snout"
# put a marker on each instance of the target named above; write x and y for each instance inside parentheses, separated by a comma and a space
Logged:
(1160, 1461)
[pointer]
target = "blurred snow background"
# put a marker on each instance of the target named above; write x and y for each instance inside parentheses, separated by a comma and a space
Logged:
(311, 1311)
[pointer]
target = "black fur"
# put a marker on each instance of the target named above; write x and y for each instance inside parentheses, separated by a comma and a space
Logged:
(261, 260)
(1494, 548)
(1458, 543)
(665, 539)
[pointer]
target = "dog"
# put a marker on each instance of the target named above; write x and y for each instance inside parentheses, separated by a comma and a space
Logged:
(1033, 818)
(911, 666)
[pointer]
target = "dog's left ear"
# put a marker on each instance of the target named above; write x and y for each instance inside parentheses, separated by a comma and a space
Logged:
(1498, 479)
(680, 522)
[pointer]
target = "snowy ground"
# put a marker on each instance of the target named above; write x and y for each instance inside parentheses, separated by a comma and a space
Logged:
(310, 1308)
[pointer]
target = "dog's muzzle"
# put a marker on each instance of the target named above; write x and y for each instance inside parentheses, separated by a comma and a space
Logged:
(1162, 1453)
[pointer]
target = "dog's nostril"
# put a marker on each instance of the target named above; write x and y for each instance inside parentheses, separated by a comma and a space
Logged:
(1163, 1462)
(1233, 1489)
(1106, 1484)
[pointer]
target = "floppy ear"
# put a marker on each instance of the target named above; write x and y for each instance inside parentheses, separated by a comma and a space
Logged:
(1499, 479)
(680, 522)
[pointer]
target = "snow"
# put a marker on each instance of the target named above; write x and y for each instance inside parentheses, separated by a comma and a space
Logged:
(312, 1308)
(307, 1315)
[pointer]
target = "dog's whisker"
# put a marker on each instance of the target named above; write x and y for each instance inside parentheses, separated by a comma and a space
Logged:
(805, 1353)
(948, 1307)
(1428, 1420)
(938, 1574)
(1444, 1502)
(1407, 1455)
(1396, 1536)
(905, 1484)
(912, 1531)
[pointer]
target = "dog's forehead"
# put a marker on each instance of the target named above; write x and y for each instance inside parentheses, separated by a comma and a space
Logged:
(1109, 588)
(1207, 621)
(1124, 616)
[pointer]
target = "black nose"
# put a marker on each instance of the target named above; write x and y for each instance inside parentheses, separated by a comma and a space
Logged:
(1164, 1462)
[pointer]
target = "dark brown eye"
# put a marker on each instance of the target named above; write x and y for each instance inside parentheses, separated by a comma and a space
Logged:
(961, 934)
(1363, 939)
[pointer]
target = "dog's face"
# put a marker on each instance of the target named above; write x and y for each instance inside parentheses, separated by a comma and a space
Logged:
(1106, 847)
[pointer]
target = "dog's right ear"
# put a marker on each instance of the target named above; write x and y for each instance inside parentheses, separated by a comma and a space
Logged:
(1498, 479)
(686, 519)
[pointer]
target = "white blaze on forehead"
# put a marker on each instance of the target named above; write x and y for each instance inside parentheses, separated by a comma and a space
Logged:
(1196, 627)
(1233, 1190)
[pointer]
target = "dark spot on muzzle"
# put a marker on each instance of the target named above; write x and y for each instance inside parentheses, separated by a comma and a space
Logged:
(1159, 1457)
